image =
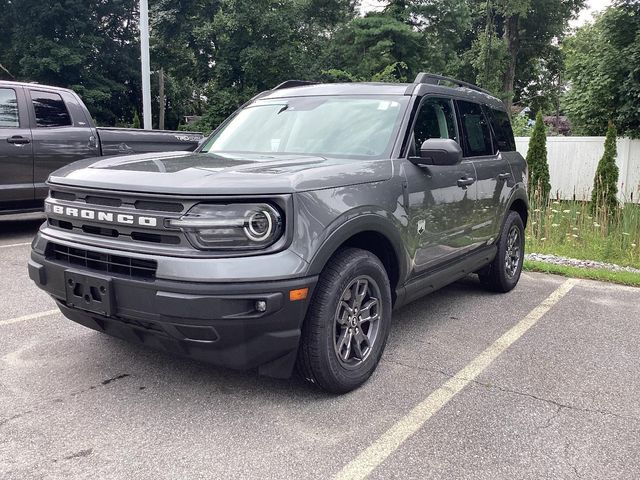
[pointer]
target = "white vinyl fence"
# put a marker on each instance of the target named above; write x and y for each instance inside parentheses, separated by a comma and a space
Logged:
(573, 162)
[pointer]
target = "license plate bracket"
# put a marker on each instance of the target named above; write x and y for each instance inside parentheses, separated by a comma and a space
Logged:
(93, 293)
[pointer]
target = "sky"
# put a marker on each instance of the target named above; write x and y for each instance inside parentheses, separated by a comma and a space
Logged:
(585, 15)
(592, 7)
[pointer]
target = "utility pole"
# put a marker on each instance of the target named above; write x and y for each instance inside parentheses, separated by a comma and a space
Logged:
(146, 68)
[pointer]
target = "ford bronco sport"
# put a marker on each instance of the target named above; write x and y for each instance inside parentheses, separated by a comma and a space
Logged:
(292, 233)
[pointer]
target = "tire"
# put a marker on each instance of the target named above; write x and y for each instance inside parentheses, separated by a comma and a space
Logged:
(503, 274)
(329, 356)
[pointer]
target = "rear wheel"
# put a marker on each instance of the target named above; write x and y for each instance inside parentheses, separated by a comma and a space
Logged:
(347, 324)
(503, 274)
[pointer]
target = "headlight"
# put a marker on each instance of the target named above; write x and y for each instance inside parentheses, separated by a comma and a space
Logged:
(239, 226)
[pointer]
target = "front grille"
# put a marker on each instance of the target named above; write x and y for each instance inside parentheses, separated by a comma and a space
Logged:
(104, 201)
(70, 197)
(103, 262)
(125, 203)
(154, 206)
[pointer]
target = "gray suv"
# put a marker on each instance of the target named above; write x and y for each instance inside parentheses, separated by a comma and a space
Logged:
(289, 237)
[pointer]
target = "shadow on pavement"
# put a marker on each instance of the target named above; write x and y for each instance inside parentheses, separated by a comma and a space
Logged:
(183, 374)
(19, 228)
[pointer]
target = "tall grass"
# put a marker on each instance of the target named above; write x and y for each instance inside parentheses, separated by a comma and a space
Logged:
(573, 229)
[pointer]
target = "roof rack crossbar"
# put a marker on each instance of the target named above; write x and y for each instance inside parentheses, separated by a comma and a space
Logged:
(434, 79)
(292, 84)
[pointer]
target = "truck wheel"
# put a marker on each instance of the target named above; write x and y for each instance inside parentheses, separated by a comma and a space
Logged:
(347, 324)
(503, 273)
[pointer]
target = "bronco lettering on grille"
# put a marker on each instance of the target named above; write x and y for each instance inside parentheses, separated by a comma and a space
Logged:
(107, 217)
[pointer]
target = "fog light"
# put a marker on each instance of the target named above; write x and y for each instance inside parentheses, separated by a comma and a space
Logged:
(261, 306)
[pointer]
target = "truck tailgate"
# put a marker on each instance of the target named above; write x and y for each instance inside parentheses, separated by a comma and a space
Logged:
(125, 141)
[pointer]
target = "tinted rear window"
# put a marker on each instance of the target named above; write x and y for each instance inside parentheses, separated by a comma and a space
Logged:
(476, 130)
(50, 110)
(502, 130)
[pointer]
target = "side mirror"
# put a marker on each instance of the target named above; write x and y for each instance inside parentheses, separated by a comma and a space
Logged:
(439, 151)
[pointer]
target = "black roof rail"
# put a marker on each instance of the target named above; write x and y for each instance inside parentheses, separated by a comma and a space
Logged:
(432, 79)
(292, 84)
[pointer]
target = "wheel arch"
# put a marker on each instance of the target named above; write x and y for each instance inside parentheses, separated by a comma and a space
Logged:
(520, 203)
(368, 232)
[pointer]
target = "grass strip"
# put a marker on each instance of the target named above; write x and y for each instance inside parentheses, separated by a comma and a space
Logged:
(623, 278)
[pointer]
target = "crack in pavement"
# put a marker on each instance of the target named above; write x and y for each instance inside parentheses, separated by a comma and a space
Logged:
(550, 420)
(549, 401)
(15, 417)
(567, 459)
(40, 405)
(80, 454)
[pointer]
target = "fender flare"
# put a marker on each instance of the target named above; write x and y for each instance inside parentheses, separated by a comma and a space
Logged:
(519, 193)
(367, 222)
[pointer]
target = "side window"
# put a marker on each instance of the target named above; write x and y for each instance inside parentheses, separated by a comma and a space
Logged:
(476, 130)
(50, 110)
(502, 130)
(8, 108)
(434, 120)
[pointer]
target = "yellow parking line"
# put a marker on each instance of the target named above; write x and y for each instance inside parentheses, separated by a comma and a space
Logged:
(33, 316)
(394, 437)
(15, 245)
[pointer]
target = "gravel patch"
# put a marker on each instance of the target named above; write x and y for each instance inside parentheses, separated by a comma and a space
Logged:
(573, 262)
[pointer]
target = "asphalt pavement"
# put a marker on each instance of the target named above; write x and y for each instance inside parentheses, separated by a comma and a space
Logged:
(559, 400)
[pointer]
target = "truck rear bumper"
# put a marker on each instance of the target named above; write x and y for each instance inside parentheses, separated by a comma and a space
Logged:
(220, 323)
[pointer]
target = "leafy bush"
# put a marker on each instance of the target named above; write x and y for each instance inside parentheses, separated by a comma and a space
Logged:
(520, 125)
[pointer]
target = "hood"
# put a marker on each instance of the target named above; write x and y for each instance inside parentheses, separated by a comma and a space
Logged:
(187, 173)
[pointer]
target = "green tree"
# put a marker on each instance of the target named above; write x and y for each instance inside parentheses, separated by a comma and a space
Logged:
(368, 46)
(603, 68)
(136, 120)
(539, 186)
(90, 47)
(605, 184)
(511, 47)
(423, 35)
(242, 47)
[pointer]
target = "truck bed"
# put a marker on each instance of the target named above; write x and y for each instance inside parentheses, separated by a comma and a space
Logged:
(123, 141)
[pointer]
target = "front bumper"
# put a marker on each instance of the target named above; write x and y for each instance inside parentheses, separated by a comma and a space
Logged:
(212, 322)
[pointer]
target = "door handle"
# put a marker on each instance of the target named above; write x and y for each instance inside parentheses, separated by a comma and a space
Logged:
(465, 182)
(504, 176)
(18, 140)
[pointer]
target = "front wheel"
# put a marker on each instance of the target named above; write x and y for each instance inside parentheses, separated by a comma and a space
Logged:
(503, 274)
(347, 324)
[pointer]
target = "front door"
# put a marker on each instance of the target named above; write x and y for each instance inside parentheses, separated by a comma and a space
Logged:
(441, 198)
(16, 152)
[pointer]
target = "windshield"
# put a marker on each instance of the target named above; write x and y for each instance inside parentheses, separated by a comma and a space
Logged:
(354, 127)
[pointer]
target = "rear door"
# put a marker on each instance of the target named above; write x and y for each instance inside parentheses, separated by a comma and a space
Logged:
(16, 149)
(61, 134)
(492, 170)
(441, 198)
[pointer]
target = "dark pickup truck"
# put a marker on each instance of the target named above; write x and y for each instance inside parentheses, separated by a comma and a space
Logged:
(44, 128)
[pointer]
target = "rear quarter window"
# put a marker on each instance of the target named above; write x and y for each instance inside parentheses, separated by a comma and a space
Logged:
(50, 110)
(503, 133)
